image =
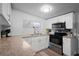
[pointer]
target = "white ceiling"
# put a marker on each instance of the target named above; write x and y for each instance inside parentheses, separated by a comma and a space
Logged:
(34, 8)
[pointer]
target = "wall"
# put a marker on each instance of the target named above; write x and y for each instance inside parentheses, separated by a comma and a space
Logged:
(77, 22)
(18, 20)
(0, 8)
(77, 25)
(6, 11)
(3, 21)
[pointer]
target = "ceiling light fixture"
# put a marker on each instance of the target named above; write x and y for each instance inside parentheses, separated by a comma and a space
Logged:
(46, 8)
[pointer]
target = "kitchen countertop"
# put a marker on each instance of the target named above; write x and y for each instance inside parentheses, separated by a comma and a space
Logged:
(33, 35)
(68, 36)
(15, 46)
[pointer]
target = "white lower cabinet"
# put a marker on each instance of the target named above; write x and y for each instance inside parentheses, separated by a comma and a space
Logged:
(38, 43)
(69, 46)
(45, 42)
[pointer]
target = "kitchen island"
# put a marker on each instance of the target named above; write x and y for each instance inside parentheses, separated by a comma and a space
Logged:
(37, 42)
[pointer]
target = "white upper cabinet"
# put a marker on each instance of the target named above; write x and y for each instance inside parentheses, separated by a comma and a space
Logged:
(69, 21)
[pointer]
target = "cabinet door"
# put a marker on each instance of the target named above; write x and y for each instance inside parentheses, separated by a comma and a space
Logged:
(36, 45)
(39, 43)
(45, 42)
(69, 21)
(6, 11)
(67, 46)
